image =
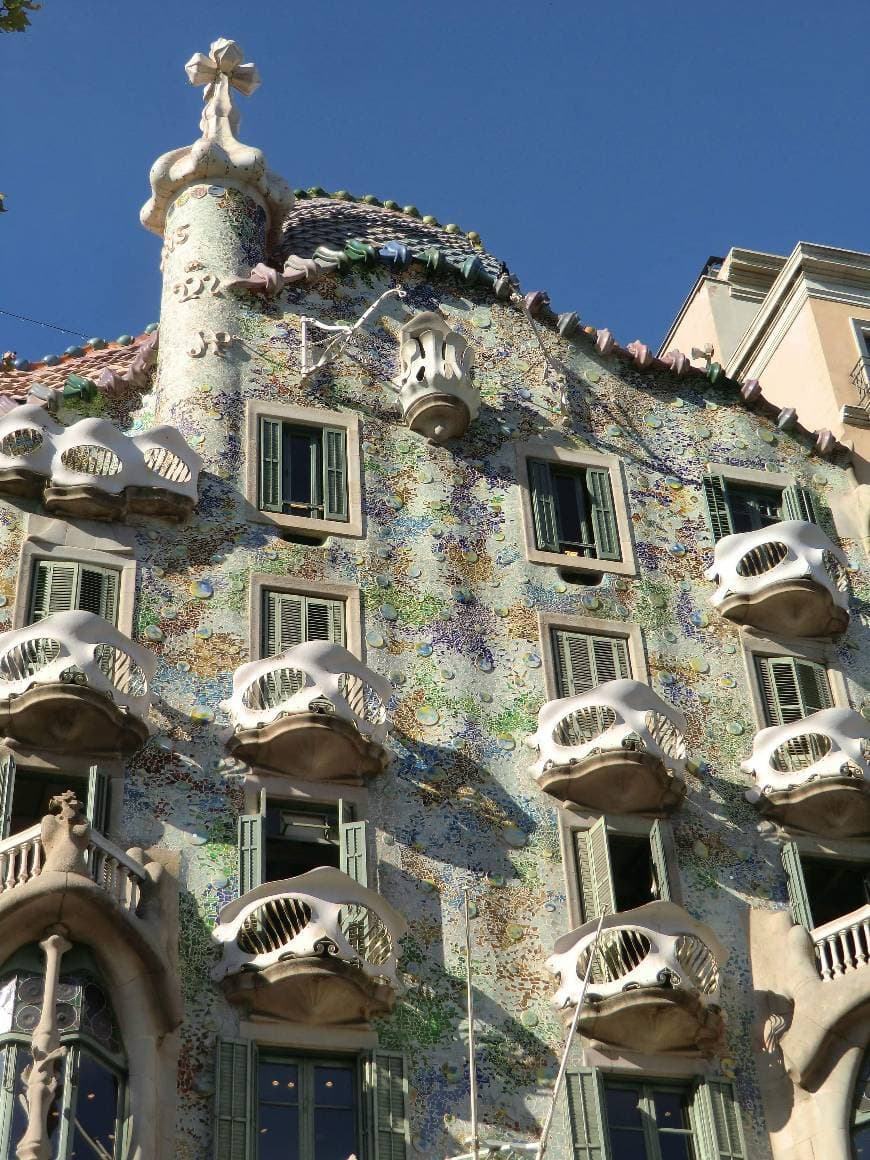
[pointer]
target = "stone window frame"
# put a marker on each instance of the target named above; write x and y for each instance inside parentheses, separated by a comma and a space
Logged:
(820, 652)
(59, 764)
(574, 457)
(301, 586)
(50, 539)
(255, 409)
(628, 631)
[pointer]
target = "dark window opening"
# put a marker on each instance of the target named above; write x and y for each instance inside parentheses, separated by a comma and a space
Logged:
(754, 507)
(307, 1110)
(650, 1123)
(572, 513)
(835, 887)
(32, 792)
(299, 839)
(634, 876)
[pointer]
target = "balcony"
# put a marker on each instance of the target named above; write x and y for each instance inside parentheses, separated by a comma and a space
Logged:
(617, 749)
(787, 579)
(72, 683)
(814, 774)
(91, 470)
(318, 948)
(654, 986)
(315, 712)
(843, 946)
(436, 394)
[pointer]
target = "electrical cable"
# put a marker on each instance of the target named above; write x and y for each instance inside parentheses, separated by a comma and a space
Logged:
(36, 322)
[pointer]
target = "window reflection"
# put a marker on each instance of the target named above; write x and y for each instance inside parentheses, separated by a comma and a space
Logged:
(95, 1115)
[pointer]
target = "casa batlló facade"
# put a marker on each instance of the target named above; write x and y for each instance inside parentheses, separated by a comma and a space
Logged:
(367, 588)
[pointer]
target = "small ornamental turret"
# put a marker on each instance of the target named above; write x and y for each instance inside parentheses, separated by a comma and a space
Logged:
(435, 390)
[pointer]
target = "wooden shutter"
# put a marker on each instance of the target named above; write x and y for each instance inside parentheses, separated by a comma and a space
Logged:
(543, 506)
(797, 887)
(271, 465)
(334, 474)
(716, 502)
(97, 810)
(54, 588)
(234, 1099)
(593, 867)
(716, 1116)
(352, 850)
(283, 621)
(98, 592)
(7, 789)
(659, 860)
(252, 852)
(603, 513)
(800, 503)
(791, 688)
(388, 1092)
(584, 661)
(586, 1115)
(324, 619)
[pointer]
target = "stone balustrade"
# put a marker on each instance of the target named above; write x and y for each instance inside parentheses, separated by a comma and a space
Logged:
(843, 946)
(92, 469)
(787, 578)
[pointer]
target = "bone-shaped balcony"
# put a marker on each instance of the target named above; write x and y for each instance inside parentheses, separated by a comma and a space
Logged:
(654, 983)
(314, 711)
(92, 470)
(787, 579)
(319, 948)
(72, 683)
(436, 393)
(617, 749)
(814, 774)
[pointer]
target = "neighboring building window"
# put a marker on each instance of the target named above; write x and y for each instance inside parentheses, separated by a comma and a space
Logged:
(288, 837)
(791, 688)
(735, 506)
(613, 1119)
(583, 660)
(861, 1112)
(618, 871)
(86, 1115)
(289, 618)
(823, 888)
(25, 794)
(274, 1106)
(573, 510)
(303, 470)
(65, 586)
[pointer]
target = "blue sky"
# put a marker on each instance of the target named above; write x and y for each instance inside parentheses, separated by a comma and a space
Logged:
(603, 151)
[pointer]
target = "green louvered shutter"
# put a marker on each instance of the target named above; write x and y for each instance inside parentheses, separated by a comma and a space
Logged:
(54, 588)
(352, 851)
(797, 887)
(716, 501)
(659, 860)
(98, 592)
(235, 1077)
(10, 1065)
(334, 474)
(584, 661)
(324, 619)
(717, 1121)
(543, 506)
(271, 464)
(7, 789)
(586, 1116)
(97, 809)
(792, 689)
(252, 852)
(283, 621)
(603, 513)
(800, 503)
(388, 1091)
(593, 866)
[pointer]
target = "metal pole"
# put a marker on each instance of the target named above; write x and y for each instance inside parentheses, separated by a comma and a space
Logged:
(563, 1066)
(472, 1068)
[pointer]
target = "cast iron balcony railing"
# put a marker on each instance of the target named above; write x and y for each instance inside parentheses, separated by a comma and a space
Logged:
(787, 579)
(654, 983)
(617, 749)
(314, 711)
(73, 683)
(860, 376)
(814, 773)
(318, 948)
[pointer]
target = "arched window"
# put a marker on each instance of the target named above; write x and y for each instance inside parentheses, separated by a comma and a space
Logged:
(861, 1112)
(87, 1111)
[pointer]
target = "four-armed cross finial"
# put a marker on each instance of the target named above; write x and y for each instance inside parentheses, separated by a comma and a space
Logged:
(221, 71)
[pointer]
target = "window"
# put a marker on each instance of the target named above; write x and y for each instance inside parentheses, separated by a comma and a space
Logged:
(65, 585)
(618, 869)
(791, 688)
(272, 1105)
(289, 618)
(26, 793)
(582, 661)
(744, 506)
(303, 470)
(861, 1112)
(288, 837)
(85, 1119)
(615, 1119)
(823, 886)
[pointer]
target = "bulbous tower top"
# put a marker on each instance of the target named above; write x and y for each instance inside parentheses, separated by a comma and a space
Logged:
(218, 154)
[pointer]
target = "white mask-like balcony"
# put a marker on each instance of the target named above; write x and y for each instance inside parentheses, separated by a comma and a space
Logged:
(787, 579)
(617, 749)
(814, 774)
(654, 985)
(314, 711)
(436, 394)
(72, 683)
(91, 470)
(319, 948)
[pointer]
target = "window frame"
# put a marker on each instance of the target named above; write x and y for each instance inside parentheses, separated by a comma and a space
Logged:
(306, 1062)
(834, 849)
(576, 459)
(819, 652)
(262, 582)
(257, 409)
(648, 1085)
(58, 765)
(629, 631)
(751, 477)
